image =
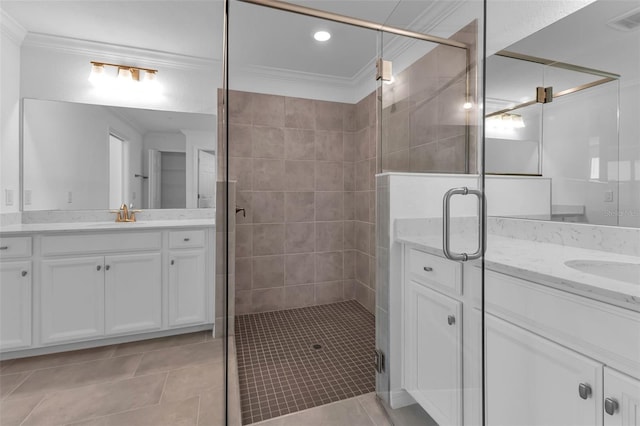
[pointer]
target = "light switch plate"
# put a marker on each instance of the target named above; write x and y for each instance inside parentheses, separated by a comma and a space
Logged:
(608, 196)
(8, 197)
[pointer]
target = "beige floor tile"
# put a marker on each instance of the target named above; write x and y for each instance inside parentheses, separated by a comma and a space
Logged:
(342, 413)
(212, 409)
(374, 409)
(14, 411)
(191, 381)
(69, 376)
(56, 360)
(159, 343)
(97, 400)
(179, 413)
(179, 357)
(11, 381)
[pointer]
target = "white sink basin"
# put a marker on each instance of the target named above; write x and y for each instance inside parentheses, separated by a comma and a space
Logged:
(619, 271)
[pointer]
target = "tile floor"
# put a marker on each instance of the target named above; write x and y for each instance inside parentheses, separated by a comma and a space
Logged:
(279, 370)
(175, 380)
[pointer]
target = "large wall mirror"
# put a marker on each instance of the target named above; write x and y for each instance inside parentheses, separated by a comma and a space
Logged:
(88, 157)
(585, 138)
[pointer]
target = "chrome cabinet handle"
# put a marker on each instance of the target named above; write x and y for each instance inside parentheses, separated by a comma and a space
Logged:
(23, 273)
(428, 268)
(107, 267)
(610, 406)
(98, 267)
(584, 390)
(4, 248)
(446, 224)
(173, 262)
(187, 239)
(451, 320)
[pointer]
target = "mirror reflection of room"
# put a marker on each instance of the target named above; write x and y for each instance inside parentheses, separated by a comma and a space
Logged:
(113, 156)
(584, 136)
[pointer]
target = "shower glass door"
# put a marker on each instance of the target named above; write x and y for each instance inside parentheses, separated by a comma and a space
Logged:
(429, 220)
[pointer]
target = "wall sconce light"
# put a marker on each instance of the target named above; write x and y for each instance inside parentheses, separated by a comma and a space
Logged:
(126, 76)
(505, 121)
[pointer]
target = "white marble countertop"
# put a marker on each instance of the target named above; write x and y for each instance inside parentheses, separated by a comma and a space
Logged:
(26, 228)
(544, 263)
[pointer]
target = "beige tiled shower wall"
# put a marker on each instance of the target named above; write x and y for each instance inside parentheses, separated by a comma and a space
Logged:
(293, 160)
(365, 201)
(424, 124)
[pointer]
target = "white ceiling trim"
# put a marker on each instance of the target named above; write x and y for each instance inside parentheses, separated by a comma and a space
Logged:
(113, 52)
(11, 28)
(290, 75)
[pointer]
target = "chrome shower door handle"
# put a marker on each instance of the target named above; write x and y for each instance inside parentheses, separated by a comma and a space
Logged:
(446, 224)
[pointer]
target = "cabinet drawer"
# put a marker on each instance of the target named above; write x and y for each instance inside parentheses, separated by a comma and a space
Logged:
(13, 247)
(100, 243)
(186, 239)
(434, 270)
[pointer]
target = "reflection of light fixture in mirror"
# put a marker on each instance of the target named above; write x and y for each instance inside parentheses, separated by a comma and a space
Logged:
(467, 105)
(322, 35)
(505, 122)
(391, 81)
(127, 76)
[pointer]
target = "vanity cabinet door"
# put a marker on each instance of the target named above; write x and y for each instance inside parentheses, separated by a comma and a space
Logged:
(187, 287)
(133, 293)
(535, 382)
(72, 298)
(433, 352)
(621, 399)
(15, 305)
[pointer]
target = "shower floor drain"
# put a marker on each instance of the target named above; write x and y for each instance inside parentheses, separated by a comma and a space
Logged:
(317, 347)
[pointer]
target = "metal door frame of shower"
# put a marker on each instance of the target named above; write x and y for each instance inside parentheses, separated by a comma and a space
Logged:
(362, 23)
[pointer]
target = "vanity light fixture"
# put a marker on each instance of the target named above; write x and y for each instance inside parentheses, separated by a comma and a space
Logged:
(322, 35)
(467, 105)
(126, 74)
(506, 121)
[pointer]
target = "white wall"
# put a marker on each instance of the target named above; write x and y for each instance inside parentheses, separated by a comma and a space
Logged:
(11, 36)
(66, 149)
(577, 128)
(629, 188)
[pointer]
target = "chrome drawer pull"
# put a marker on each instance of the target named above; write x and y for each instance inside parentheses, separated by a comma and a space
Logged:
(187, 239)
(610, 406)
(584, 390)
(451, 319)
(98, 267)
(428, 268)
(4, 248)
(23, 273)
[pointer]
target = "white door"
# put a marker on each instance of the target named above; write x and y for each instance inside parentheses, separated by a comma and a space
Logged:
(72, 298)
(621, 399)
(15, 305)
(155, 179)
(535, 382)
(433, 353)
(187, 288)
(206, 179)
(133, 293)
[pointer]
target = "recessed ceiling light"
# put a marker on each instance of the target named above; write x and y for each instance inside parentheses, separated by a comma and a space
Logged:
(322, 36)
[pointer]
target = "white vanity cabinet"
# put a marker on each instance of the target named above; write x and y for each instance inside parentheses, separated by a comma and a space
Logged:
(432, 341)
(433, 352)
(16, 284)
(71, 298)
(187, 278)
(133, 293)
(621, 399)
(534, 381)
(90, 287)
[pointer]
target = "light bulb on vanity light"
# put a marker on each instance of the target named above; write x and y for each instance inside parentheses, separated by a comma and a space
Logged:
(124, 74)
(97, 75)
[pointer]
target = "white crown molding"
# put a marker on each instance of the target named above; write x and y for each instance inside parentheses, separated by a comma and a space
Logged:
(11, 28)
(114, 52)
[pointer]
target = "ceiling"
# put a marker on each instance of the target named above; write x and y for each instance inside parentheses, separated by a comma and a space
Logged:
(145, 120)
(266, 39)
